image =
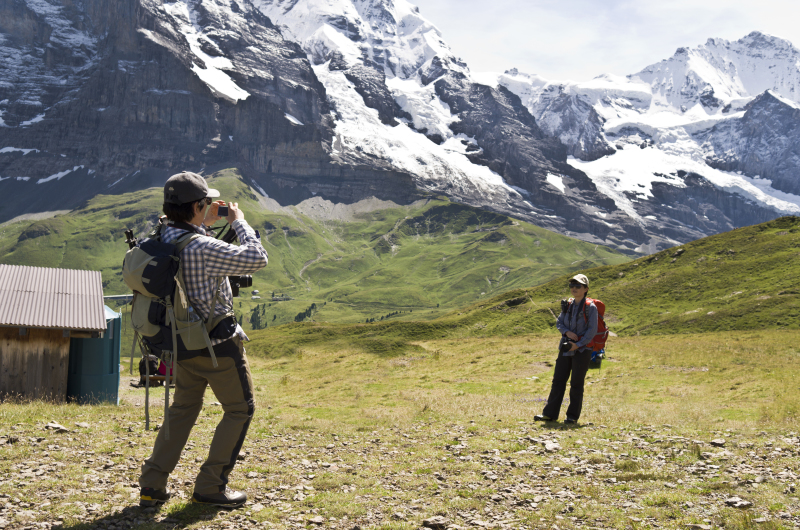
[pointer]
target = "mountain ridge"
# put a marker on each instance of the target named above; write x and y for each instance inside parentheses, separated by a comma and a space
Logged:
(352, 99)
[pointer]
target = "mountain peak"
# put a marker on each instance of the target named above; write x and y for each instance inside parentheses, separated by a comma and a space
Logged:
(758, 39)
(726, 70)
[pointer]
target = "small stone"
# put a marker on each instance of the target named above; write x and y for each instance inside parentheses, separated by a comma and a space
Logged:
(695, 526)
(400, 516)
(317, 520)
(670, 485)
(718, 442)
(252, 474)
(436, 522)
(82, 425)
(241, 456)
(257, 507)
(53, 426)
(736, 502)
(551, 447)
(761, 479)
(761, 520)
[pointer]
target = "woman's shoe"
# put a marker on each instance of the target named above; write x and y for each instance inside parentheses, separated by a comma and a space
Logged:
(542, 417)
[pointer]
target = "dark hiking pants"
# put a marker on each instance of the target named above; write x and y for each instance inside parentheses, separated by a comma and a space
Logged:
(232, 385)
(577, 364)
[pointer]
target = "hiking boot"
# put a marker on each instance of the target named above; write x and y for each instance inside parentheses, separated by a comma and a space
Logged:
(571, 420)
(542, 417)
(152, 497)
(224, 499)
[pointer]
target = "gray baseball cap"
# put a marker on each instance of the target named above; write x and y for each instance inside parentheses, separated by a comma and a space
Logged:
(187, 187)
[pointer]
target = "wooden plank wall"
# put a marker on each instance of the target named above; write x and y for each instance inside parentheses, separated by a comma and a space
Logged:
(35, 365)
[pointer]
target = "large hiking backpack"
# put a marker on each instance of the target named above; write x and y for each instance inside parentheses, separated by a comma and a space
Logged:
(161, 313)
(598, 342)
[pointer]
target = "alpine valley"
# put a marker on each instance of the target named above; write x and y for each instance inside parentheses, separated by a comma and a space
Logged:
(351, 99)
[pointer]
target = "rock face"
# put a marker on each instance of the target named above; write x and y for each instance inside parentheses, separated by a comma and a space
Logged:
(765, 141)
(347, 99)
(114, 99)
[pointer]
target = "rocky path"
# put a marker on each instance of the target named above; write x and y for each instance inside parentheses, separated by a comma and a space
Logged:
(434, 474)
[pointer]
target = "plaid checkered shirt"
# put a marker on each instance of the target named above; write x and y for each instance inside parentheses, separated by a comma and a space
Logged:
(206, 260)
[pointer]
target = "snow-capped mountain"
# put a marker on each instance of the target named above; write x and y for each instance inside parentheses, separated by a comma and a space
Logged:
(724, 111)
(348, 99)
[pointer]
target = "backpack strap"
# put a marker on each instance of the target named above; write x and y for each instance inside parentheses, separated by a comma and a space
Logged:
(181, 243)
(210, 321)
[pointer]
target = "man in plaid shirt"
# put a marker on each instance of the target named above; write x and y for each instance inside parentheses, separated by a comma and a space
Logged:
(206, 262)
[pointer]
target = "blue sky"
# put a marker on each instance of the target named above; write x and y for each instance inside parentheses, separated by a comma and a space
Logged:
(580, 39)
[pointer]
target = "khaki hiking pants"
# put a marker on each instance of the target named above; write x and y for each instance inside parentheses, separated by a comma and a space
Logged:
(232, 385)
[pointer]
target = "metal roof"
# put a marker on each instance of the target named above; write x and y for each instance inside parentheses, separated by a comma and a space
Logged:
(40, 297)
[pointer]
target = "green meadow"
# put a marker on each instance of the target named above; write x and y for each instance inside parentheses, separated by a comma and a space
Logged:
(424, 417)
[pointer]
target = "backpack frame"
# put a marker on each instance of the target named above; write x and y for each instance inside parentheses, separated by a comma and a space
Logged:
(152, 270)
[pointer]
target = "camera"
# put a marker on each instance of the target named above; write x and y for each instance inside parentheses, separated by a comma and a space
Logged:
(564, 305)
(222, 211)
(565, 345)
(237, 282)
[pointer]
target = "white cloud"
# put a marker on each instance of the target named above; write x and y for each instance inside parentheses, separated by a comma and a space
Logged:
(580, 39)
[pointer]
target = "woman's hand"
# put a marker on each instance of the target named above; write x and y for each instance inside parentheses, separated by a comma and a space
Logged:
(571, 335)
(212, 214)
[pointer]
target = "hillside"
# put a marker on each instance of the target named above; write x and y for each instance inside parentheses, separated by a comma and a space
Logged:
(739, 280)
(416, 261)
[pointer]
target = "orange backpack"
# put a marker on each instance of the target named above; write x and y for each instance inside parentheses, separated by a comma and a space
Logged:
(601, 336)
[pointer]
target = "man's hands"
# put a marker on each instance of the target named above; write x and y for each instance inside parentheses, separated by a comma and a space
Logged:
(212, 214)
(234, 213)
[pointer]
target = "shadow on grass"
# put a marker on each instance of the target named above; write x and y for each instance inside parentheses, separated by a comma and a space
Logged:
(559, 426)
(176, 517)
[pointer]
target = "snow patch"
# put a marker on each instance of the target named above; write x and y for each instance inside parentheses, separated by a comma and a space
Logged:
(31, 121)
(290, 118)
(116, 182)
(423, 104)
(628, 177)
(213, 75)
(17, 149)
(557, 181)
(58, 176)
(358, 128)
(260, 189)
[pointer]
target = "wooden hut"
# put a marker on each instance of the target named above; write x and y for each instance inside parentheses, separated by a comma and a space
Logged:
(41, 309)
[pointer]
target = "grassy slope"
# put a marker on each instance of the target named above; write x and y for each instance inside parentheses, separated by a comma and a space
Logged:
(446, 431)
(741, 280)
(427, 259)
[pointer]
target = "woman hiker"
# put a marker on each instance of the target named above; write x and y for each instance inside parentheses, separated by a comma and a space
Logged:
(579, 323)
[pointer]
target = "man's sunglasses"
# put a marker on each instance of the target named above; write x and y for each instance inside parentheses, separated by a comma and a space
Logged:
(576, 285)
